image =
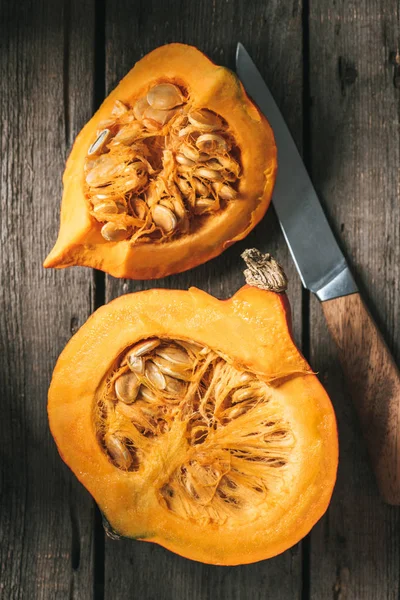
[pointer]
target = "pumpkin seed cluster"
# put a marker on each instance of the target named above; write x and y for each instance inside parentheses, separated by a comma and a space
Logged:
(159, 165)
(236, 443)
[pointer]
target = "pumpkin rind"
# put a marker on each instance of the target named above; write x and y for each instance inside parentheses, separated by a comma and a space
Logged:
(80, 241)
(252, 329)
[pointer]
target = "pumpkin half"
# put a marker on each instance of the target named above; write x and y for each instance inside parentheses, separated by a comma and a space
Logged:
(196, 423)
(175, 166)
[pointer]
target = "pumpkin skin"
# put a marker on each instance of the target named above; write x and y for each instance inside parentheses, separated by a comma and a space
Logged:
(253, 329)
(80, 242)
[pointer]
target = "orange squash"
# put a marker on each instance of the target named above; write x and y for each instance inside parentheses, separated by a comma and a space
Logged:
(175, 166)
(196, 423)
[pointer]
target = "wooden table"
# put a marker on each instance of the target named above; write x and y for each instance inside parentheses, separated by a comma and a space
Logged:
(334, 68)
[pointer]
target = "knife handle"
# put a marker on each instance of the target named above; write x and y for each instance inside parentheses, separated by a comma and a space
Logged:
(374, 382)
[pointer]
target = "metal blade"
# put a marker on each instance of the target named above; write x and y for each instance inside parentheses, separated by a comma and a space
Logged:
(317, 256)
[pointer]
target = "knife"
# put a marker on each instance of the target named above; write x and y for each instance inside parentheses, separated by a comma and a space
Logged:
(372, 375)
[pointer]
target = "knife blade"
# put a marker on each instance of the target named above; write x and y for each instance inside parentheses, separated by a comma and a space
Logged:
(373, 376)
(321, 265)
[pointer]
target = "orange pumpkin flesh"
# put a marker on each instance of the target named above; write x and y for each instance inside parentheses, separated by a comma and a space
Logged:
(233, 470)
(206, 219)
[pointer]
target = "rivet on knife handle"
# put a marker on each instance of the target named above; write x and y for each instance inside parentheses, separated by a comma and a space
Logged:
(374, 382)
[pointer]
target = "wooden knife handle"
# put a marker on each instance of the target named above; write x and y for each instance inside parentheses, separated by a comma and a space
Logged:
(374, 382)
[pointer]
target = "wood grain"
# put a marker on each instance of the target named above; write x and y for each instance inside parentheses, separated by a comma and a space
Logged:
(45, 516)
(374, 382)
(215, 28)
(47, 83)
(355, 156)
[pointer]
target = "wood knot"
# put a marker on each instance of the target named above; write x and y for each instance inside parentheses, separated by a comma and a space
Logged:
(74, 325)
(394, 59)
(342, 584)
(347, 73)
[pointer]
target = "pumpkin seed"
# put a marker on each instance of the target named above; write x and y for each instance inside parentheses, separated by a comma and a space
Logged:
(121, 207)
(104, 170)
(184, 160)
(190, 345)
(164, 218)
(225, 191)
(135, 363)
(164, 96)
(175, 386)
(184, 186)
(128, 134)
(200, 187)
(147, 394)
(145, 346)
(154, 192)
(100, 142)
(105, 124)
(156, 118)
(118, 452)
(190, 152)
(204, 120)
(154, 375)
(237, 411)
(119, 109)
(229, 164)
(208, 174)
(228, 176)
(127, 387)
(245, 377)
(151, 125)
(139, 207)
(242, 394)
(213, 164)
(105, 208)
(204, 204)
(178, 209)
(139, 107)
(184, 170)
(186, 131)
(99, 198)
(174, 355)
(168, 203)
(174, 370)
(136, 167)
(209, 142)
(114, 233)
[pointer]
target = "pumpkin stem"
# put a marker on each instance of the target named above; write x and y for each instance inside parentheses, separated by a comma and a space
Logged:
(263, 271)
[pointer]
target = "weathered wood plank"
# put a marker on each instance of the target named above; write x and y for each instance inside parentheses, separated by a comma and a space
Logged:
(355, 144)
(46, 517)
(273, 34)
